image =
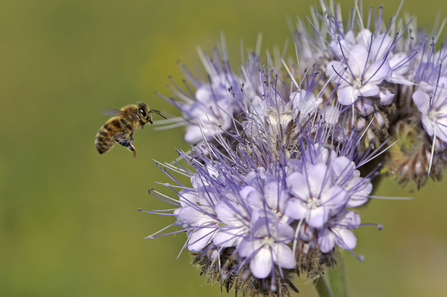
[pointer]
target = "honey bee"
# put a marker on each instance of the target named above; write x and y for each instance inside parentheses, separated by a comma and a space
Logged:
(122, 126)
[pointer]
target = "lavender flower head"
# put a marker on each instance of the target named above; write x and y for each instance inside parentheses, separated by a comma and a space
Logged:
(252, 223)
(284, 153)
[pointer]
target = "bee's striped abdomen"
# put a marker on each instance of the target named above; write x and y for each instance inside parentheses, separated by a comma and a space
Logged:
(104, 139)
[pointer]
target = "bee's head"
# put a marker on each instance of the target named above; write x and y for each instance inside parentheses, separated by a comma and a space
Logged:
(144, 113)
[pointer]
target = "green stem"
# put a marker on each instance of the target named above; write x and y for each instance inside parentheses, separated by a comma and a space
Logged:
(337, 277)
(322, 288)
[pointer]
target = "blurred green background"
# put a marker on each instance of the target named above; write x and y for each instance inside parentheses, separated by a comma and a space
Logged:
(69, 224)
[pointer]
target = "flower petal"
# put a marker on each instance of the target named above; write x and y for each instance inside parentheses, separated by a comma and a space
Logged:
(347, 94)
(377, 72)
(192, 216)
(296, 209)
(317, 217)
(261, 265)
(335, 70)
(298, 186)
(345, 239)
(422, 101)
(283, 256)
(358, 59)
(326, 240)
(380, 46)
(369, 90)
(228, 237)
(229, 213)
(248, 246)
(428, 124)
(317, 179)
(200, 238)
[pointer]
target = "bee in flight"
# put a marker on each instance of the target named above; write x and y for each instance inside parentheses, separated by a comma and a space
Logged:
(122, 126)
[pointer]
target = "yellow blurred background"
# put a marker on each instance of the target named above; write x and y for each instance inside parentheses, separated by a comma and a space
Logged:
(69, 224)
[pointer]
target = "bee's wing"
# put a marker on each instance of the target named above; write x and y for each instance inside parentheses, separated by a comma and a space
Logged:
(112, 112)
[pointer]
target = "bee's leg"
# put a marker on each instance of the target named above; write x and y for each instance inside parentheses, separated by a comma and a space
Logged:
(128, 144)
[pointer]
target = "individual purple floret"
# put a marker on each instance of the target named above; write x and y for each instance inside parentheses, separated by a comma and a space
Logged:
(338, 231)
(345, 174)
(315, 198)
(357, 75)
(266, 245)
(235, 224)
(434, 109)
(198, 216)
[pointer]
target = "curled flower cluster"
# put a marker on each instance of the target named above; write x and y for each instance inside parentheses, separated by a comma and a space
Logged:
(284, 152)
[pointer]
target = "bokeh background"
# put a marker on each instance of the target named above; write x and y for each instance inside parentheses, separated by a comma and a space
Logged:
(69, 224)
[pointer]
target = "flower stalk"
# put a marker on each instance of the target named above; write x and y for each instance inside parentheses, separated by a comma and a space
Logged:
(322, 288)
(337, 276)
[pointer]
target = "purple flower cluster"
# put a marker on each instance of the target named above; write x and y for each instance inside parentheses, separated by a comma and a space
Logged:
(256, 212)
(261, 213)
(281, 148)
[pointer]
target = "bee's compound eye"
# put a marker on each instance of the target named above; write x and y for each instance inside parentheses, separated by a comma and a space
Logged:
(143, 112)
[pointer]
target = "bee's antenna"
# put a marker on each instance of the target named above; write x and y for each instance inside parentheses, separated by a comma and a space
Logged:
(157, 112)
